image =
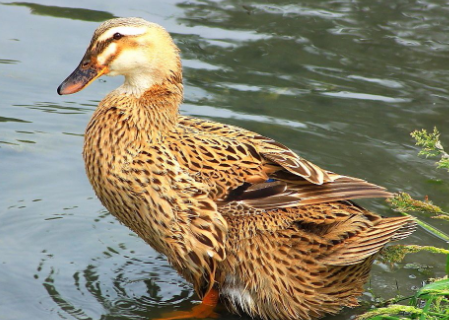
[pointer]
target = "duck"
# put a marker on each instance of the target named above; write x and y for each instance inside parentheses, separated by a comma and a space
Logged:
(248, 222)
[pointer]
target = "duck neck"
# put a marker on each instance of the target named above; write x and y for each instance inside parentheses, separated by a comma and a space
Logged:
(151, 111)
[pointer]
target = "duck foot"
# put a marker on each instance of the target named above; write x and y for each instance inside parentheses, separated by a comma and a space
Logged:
(204, 310)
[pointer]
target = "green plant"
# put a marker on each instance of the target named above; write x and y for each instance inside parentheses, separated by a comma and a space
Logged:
(431, 302)
(431, 146)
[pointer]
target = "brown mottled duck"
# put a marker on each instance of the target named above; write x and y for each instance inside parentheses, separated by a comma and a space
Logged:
(240, 216)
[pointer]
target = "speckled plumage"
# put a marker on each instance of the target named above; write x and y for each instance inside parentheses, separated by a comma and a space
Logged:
(231, 209)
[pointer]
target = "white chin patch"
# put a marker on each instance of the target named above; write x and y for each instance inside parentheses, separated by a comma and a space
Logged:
(124, 30)
(107, 53)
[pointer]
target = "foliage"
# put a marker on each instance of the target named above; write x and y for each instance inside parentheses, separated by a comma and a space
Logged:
(397, 253)
(431, 146)
(431, 302)
(404, 203)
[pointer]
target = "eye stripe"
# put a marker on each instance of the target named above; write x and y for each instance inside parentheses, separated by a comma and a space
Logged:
(124, 30)
(107, 53)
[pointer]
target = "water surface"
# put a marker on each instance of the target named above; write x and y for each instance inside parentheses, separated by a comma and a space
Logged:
(342, 83)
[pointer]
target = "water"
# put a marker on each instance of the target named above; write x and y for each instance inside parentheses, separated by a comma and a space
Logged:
(342, 83)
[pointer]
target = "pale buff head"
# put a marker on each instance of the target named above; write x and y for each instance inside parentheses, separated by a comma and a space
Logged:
(141, 51)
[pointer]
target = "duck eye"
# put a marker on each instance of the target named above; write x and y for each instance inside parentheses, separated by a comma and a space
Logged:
(117, 36)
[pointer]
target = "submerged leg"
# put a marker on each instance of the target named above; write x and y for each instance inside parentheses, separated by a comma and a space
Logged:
(204, 310)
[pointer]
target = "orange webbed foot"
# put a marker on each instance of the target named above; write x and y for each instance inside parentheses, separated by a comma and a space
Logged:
(204, 310)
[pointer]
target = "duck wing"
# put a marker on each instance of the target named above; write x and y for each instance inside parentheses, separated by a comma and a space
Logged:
(240, 165)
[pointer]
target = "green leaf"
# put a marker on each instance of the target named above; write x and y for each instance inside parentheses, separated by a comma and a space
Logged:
(439, 287)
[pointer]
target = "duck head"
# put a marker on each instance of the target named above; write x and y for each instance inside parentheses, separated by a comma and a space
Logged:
(141, 51)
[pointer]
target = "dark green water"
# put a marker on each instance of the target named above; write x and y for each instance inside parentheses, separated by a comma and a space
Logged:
(342, 83)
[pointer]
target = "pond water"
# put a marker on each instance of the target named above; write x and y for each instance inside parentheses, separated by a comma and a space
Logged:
(342, 83)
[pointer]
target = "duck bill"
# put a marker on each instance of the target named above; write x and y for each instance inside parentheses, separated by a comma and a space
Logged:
(80, 78)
